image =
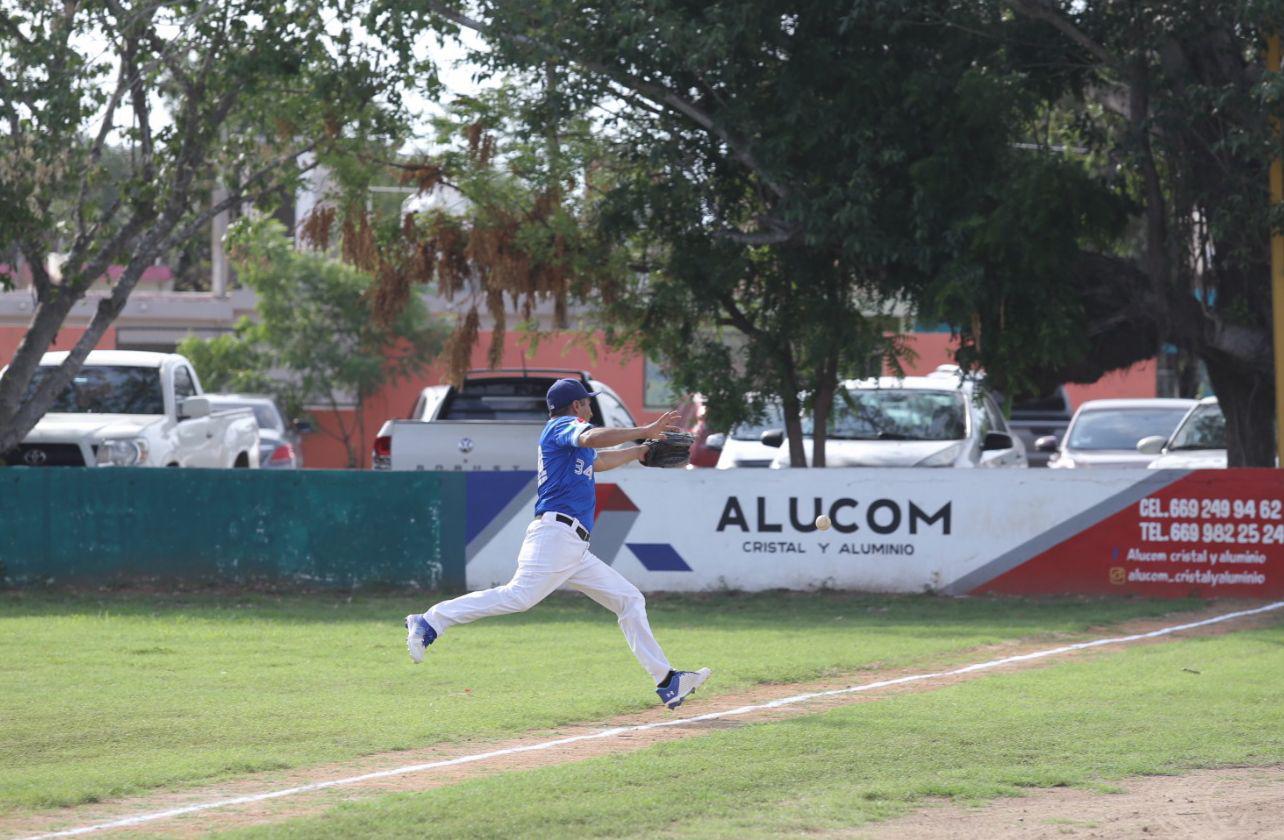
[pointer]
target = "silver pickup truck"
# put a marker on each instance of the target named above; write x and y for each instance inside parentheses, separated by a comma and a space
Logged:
(134, 409)
(492, 423)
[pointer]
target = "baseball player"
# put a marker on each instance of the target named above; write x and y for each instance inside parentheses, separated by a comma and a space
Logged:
(555, 551)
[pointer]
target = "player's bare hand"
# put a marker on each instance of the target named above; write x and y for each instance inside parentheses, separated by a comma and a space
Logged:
(667, 423)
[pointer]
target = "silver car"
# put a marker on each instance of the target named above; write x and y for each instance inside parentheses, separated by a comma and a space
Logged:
(279, 446)
(743, 446)
(1198, 444)
(938, 420)
(1105, 433)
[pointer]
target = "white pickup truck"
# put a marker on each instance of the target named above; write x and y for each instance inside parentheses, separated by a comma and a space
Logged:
(492, 423)
(133, 409)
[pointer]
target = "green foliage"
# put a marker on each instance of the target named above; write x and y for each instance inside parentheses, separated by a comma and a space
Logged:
(233, 363)
(124, 122)
(1067, 185)
(1173, 114)
(316, 328)
(1012, 285)
(180, 689)
(781, 179)
(503, 226)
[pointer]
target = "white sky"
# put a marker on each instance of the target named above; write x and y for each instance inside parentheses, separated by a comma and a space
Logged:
(455, 72)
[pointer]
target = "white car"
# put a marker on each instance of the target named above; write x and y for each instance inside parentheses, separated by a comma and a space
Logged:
(1199, 443)
(938, 420)
(279, 444)
(133, 409)
(743, 446)
(1105, 433)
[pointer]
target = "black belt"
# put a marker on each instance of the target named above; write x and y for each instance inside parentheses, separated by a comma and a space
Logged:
(566, 520)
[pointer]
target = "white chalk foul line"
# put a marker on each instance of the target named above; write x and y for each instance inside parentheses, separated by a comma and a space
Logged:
(620, 730)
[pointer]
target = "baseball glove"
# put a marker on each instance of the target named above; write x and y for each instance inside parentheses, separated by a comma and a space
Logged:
(672, 450)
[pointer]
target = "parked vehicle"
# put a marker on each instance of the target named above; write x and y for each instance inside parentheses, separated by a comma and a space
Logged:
(1104, 433)
(1047, 416)
(703, 454)
(279, 444)
(492, 423)
(1198, 443)
(938, 420)
(134, 409)
(743, 446)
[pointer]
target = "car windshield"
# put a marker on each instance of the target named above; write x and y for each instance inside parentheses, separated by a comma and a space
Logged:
(773, 417)
(897, 414)
(105, 389)
(1121, 428)
(1205, 428)
(266, 415)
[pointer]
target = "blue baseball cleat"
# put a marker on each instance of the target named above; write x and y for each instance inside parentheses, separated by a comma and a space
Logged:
(681, 685)
(419, 635)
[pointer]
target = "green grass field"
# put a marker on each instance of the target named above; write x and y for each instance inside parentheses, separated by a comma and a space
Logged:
(1085, 722)
(112, 694)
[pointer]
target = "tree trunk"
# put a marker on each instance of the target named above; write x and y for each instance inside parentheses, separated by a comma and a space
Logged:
(17, 419)
(1247, 400)
(45, 323)
(793, 428)
(824, 403)
(364, 450)
(792, 406)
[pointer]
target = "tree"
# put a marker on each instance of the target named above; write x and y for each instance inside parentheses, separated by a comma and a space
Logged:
(503, 229)
(774, 171)
(249, 92)
(238, 363)
(1174, 112)
(316, 332)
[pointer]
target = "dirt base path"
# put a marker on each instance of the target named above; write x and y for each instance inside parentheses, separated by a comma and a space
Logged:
(1226, 804)
(565, 744)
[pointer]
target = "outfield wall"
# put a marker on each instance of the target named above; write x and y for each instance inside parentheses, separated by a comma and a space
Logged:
(101, 527)
(1143, 532)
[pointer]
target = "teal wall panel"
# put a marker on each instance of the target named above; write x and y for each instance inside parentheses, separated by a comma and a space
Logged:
(315, 527)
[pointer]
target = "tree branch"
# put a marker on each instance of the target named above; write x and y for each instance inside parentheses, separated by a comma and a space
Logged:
(239, 196)
(776, 235)
(95, 155)
(166, 51)
(1045, 11)
(1158, 265)
(35, 257)
(142, 111)
(739, 147)
(738, 317)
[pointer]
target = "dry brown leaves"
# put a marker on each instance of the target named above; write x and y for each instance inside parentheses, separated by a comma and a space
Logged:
(317, 225)
(497, 251)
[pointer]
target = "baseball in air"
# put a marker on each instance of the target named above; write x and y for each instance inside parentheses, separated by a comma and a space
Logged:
(822, 522)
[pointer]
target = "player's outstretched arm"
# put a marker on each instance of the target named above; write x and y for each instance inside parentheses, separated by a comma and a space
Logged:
(611, 458)
(602, 438)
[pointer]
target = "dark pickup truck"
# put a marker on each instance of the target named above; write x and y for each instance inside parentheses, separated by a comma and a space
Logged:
(1033, 419)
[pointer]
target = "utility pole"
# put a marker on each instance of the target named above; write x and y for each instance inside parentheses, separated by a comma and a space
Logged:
(1277, 263)
(218, 256)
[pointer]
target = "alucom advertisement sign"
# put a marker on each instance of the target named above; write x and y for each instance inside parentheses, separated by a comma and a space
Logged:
(957, 531)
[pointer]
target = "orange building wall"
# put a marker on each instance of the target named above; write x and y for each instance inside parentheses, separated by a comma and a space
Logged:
(11, 337)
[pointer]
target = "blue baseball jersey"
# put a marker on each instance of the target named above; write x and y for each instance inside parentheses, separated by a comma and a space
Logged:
(565, 482)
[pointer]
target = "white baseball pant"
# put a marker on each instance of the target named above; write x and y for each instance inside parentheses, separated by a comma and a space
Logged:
(552, 556)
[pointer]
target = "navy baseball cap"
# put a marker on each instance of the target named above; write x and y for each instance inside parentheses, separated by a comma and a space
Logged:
(566, 391)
